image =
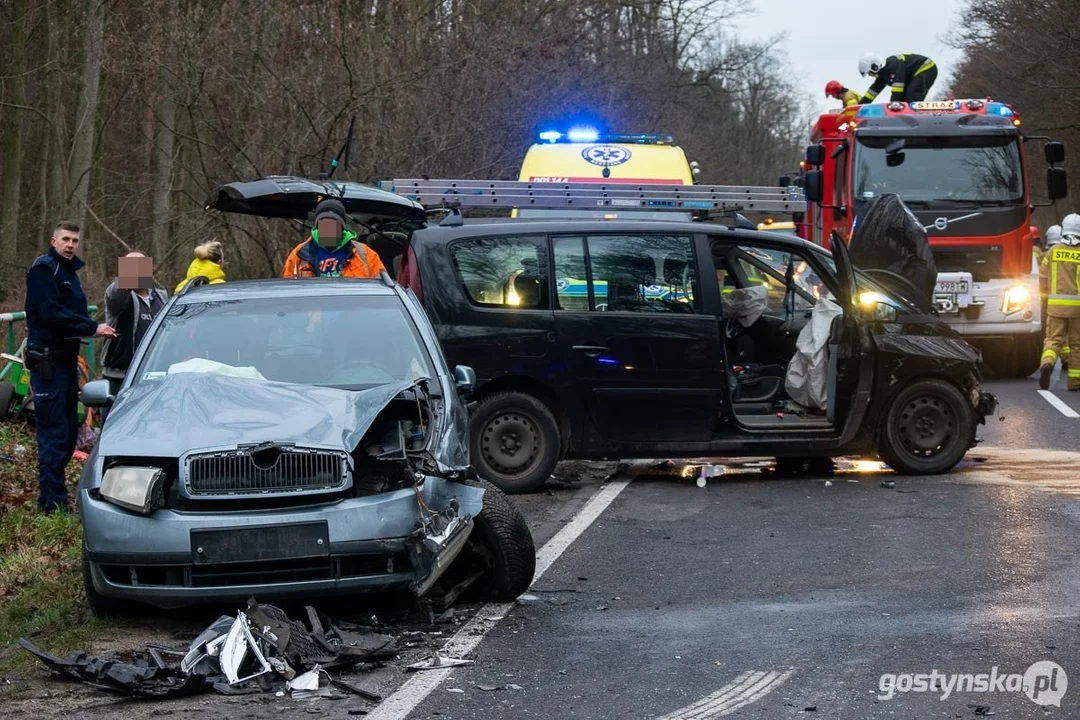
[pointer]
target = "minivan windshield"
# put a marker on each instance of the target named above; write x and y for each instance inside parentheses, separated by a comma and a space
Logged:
(350, 342)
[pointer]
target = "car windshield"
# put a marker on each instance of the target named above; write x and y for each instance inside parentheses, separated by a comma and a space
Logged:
(351, 342)
(937, 171)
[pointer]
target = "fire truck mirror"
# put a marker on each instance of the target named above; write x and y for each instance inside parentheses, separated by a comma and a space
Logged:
(785, 180)
(815, 155)
(812, 186)
(1057, 184)
(1055, 152)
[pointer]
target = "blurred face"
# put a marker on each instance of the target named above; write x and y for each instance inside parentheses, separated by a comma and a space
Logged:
(329, 233)
(65, 243)
(135, 271)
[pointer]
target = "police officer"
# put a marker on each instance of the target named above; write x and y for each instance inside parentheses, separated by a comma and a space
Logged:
(910, 76)
(56, 318)
(1060, 270)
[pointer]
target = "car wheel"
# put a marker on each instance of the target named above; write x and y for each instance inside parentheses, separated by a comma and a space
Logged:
(928, 429)
(101, 606)
(500, 543)
(7, 394)
(515, 441)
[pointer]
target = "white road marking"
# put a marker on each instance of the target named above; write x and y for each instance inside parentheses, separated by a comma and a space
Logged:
(1059, 404)
(412, 693)
(746, 688)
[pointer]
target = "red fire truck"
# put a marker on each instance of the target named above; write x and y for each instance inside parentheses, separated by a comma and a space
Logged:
(959, 166)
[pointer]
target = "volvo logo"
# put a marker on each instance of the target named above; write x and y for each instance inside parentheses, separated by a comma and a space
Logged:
(941, 223)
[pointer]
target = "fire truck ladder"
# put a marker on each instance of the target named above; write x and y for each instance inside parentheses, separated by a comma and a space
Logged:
(510, 194)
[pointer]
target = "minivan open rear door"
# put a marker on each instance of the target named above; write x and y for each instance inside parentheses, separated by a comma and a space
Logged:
(295, 198)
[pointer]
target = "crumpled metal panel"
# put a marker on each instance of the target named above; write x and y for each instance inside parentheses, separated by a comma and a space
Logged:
(927, 346)
(176, 414)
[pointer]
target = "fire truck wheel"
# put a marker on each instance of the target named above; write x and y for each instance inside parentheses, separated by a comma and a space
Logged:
(7, 394)
(928, 428)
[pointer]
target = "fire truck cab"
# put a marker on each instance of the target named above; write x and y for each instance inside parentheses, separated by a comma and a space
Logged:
(959, 166)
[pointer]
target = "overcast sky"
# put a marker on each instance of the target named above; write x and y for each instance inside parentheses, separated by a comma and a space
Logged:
(825, 39)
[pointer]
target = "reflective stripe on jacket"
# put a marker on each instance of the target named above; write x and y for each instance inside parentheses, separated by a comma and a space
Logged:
(1060, 270)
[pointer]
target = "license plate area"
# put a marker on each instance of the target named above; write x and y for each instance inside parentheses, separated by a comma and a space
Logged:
(952, 292)
(260, 543)
(953, 287)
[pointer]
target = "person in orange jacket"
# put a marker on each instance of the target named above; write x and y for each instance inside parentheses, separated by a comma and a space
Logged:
(332, 250)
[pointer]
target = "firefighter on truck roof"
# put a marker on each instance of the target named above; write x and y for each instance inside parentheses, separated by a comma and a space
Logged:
(910, 76)
(1061, 270)
(835, 89)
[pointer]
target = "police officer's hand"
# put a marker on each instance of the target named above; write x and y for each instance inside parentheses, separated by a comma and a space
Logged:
(104, 330)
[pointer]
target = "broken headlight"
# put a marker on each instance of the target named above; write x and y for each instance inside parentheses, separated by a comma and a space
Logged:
(140, 489)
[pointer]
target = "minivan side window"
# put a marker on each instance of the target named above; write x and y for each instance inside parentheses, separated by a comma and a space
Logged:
(626, 273)
(503, 272)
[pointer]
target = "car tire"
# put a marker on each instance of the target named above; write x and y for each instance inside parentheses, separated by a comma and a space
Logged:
(7, 395)
(928, 429)
(515, 441)
(501, 539)
(105, 607)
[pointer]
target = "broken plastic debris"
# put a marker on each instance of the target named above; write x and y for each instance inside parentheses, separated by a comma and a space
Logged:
(514, 687)
(888, 484)
(437, 661)
(454, 690)
(306, 681)
(828, 483)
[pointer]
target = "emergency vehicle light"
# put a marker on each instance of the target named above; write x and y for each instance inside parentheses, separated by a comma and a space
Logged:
(551, 136)
(876, 110)
(583, 134)
(999, 109)
(591, 135)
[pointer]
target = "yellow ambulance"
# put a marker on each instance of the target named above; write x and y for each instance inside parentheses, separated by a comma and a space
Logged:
(585, 155)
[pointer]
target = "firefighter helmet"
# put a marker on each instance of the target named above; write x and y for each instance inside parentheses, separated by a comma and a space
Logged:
(833, 89)
(1071, 225)
(1053, 235)
(870, 64)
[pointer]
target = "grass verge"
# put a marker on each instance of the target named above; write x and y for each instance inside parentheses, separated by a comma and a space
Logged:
(41, 592)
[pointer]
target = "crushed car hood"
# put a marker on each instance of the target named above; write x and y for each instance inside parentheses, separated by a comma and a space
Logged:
(191, 411)
(282, 196)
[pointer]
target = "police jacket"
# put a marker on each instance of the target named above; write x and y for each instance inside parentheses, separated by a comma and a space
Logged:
(127, 313)
(899, 71)
(1060, 275)
(56, 312)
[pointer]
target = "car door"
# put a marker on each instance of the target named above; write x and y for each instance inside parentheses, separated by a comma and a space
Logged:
(851, 350)
(646, 361)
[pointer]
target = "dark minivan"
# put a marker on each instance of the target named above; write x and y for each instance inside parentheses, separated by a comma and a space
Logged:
(643, 338)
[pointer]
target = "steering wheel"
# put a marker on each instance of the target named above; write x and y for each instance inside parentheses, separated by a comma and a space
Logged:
(732, 329)
(347, 373)
(904, 285)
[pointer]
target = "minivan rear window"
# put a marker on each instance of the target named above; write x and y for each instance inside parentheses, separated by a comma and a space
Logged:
(507, 272)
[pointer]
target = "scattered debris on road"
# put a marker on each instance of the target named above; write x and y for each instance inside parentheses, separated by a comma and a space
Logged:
(889, 484)
(436, 662)
(259, 650)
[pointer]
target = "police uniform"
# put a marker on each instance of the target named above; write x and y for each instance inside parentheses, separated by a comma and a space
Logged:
(910, 76)
(1060, 271)
(56, 318)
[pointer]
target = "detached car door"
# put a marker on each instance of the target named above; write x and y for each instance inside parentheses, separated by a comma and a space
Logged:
(646, 361)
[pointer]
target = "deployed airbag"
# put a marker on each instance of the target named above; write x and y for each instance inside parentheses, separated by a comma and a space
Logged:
(808, 372)
(745, 304)
(888, 236)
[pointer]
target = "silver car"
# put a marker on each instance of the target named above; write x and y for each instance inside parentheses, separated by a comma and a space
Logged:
(291, 438)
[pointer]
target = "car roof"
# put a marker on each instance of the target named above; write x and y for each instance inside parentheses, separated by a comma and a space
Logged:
(522, 226)
(277, 287)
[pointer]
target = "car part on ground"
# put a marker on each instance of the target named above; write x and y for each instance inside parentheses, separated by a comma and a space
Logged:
(259, 650)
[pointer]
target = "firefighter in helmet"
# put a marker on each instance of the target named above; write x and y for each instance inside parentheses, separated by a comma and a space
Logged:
(836, 90)
(909, 76)
(1060, 271)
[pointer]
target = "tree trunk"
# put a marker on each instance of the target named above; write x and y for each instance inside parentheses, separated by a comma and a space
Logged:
(82, 151)
(12, 134)
(164, 146)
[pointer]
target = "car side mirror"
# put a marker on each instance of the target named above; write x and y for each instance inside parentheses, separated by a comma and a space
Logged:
(465, 377)
(96, 394)
(812, 186)
(1057, 183)
(1055, 152)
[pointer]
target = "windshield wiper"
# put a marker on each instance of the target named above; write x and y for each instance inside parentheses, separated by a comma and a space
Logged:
(976, 203)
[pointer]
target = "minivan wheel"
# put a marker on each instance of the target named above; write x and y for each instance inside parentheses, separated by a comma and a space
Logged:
(515, 441)
(928, 429)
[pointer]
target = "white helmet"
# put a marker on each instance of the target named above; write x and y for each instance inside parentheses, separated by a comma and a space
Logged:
(870, 64)
(1053, 235)
(1071, 225)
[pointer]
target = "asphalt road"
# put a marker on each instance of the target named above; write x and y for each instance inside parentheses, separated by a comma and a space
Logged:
(753, 597)
(761, 597)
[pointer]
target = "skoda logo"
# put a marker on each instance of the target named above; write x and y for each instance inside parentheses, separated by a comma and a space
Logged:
(941, 223)
(605, 155)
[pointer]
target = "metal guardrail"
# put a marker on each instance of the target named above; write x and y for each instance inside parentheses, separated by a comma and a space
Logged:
(17, 317)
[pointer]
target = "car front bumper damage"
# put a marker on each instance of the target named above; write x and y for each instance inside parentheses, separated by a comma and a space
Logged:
(403, 539)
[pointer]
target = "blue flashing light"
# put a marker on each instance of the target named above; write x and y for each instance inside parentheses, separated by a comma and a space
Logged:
(551, 136)
(608, 361)
(583, 134)
(875, 110)
(999, 109)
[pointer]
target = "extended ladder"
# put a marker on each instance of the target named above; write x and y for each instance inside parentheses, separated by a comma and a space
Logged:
(510, 194)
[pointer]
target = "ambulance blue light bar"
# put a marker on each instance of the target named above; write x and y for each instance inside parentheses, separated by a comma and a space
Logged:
(590, 135)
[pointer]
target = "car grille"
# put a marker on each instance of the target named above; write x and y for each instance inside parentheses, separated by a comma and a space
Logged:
(266, 470)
